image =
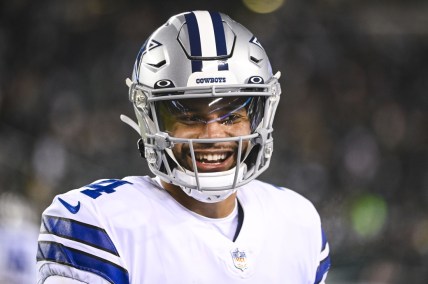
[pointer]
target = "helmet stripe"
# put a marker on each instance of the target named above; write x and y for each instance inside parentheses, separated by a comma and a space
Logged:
(206, 38)
(220, 39)
(194, 40)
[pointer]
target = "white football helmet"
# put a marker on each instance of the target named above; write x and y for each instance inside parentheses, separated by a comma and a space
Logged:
(204, 58)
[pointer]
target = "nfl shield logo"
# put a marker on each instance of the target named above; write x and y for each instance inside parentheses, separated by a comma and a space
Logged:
(239, 259)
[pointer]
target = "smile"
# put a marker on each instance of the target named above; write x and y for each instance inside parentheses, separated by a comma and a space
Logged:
(211, 158)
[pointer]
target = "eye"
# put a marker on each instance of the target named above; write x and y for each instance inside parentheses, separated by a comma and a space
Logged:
(231, 119)
(190, 119)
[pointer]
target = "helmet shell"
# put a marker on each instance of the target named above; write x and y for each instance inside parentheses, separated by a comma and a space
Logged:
(201, 48)
(203, 54)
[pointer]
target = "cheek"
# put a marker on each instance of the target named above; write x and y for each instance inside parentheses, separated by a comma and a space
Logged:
(241, 129)
(177, 149)
(180, 155)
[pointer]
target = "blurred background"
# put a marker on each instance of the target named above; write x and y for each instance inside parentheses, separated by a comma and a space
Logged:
(351, 130)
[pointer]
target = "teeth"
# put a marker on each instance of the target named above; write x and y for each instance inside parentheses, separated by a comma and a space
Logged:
(211, 157)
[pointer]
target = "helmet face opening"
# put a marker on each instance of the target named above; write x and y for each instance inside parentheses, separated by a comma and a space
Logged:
(208, 118)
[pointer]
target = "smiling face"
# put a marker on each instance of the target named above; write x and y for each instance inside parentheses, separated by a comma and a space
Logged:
(206, 118)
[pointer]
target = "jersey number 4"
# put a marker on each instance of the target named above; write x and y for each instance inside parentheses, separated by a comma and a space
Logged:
(105, 186)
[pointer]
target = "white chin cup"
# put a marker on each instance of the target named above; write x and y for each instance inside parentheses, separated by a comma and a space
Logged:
(208, 182)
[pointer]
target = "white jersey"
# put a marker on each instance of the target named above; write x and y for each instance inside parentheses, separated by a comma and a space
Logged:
(133, 231)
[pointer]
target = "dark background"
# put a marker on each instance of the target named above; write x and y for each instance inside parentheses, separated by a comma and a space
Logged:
(351, 131)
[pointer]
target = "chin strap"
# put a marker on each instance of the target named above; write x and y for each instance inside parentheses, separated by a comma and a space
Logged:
(134, 126)
(130, 122)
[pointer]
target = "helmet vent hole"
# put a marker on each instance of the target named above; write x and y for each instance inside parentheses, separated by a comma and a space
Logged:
(159, 64)
(255, 60)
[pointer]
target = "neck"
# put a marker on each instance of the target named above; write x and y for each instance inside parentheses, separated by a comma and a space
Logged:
(211, 210)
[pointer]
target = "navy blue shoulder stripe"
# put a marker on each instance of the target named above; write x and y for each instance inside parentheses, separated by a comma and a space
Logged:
(80, 232)
(325, 263)
(194, 40)
(51, 251)
(323, 267)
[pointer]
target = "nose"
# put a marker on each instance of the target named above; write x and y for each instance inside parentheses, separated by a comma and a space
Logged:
(212, 130)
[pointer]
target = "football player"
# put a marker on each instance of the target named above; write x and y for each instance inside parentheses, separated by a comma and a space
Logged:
(205, 98)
